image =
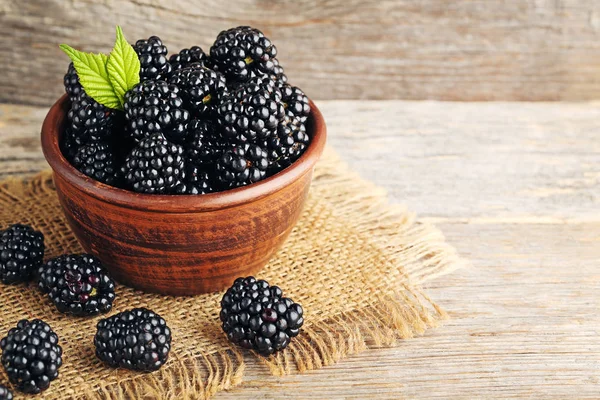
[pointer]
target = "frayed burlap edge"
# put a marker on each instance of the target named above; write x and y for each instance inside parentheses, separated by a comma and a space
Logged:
(401, 315)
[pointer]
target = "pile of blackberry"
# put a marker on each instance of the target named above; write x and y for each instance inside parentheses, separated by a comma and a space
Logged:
(198, 122)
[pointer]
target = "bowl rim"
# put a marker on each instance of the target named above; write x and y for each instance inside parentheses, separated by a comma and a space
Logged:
(177, 203)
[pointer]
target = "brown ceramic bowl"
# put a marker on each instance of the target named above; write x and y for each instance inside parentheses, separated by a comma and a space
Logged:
(181, 245)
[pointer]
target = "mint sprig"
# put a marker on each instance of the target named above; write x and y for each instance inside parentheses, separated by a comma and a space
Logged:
(104, 78)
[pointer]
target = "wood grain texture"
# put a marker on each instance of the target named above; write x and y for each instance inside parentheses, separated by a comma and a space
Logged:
(515, 187)
(335, 49)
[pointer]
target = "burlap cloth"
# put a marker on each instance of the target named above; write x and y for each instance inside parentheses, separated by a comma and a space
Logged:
(352, 262)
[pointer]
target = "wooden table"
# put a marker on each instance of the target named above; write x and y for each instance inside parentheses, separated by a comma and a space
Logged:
(516, 188)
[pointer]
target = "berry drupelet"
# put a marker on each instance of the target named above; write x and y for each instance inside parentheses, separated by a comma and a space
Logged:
(185, 57)
(5, 393)
(201, 89)
(97, 160)
(72, 85)
(242, 165)
(251, 112)
(240, 52)
(256, 316)
(31, 356)
(21, 252)
(155, 107)
(153, 59)
(77, 284)
(89, 119)
(154, 166)
(138, 339)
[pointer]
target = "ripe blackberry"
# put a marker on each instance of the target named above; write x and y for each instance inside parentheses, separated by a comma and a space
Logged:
(238, 52)
(288, 145)
(97, 160)
(21, 252)
(251, 112)
(155, 107)
(72, 85)
(197, 181)
(185, 57)
(205, 145)
(295, 102)
(154, 166)
(200, 88)
(70, 143)
(153, 59)
(5, 393)
(77, 284)
(31, 356)
(138, 339)
(256, 316)
(89, 119)
(242, 165)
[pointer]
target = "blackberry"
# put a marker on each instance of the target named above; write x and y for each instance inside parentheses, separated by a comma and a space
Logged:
(197, 181)
(185, 57)
(72, 85)
(21, 252)
(204, 146)
(153, 59)
(154, 166)
(200, 88)
(31, 356)
(256, 316)
(242, 165)
(238, 52)
(295, 102)
(288, 145)
(251, 112)
(97, 160)
(138, 339)
(89, 119)
(5, 393)
(155, 107)
(77, 284)
(70, 143)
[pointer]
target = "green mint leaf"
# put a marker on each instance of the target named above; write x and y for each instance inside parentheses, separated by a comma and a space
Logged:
(93, 76)
(123, 66)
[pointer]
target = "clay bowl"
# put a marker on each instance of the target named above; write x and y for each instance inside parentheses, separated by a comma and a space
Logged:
(181, 245)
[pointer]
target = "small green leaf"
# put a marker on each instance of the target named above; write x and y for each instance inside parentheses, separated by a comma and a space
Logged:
(93, 76)
(123, 66)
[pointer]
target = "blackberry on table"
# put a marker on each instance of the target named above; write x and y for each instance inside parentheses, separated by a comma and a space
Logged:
(154, 166)
(72, 85)
(138, 339)
(288, 145)
(77, 284)
(21, 252)
(242, 165)
(153, 59)
(256, 316)
(238, 52)
(155, 107)
(200, 88)
(97, 160)
(89, 119)
(5, 393)
(205, 145)
(185, 57)
(31, 356)
(295, 102)
(251, 112)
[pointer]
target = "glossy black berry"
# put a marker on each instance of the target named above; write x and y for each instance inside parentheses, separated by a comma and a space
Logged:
(154, 166)
(238, 52)
(256, 316)
(201, 89)
(251, 112)
(288, 145)
(5, 393)
(138, 339)
(31, 356)
(205, 144)
(21, 252)
(89, 119)
(97, 160)
(72, 85)
(77, 284)
(185, 57)
(153, 59)
(70, 143)
(155, 107)
(295, 102)
(197, 181)
(242, 165)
